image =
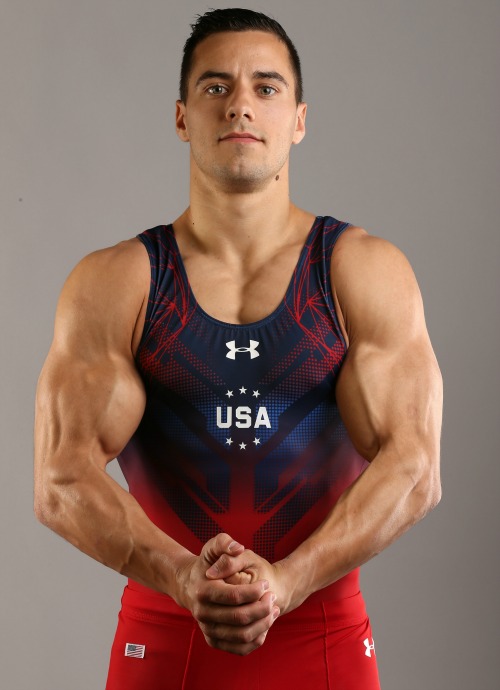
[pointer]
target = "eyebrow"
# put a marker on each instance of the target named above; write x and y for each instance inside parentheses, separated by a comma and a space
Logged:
(271, 75)
(211, 74)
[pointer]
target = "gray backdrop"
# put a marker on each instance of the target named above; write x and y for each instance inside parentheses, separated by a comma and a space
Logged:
(402, 139)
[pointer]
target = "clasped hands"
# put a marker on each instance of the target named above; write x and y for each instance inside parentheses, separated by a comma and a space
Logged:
(234, 594)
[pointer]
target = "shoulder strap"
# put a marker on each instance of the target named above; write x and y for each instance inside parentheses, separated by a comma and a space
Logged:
(151, 239)
(327, 237)
(329, 230)
(168, 292)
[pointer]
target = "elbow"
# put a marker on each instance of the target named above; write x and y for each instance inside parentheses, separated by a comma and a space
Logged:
(57, 489)
(51, 503)
(431, 499)
(435, 494)
(426, 493)
(46, 505)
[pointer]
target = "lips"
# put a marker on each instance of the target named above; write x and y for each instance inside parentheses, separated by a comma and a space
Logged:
(240, 135)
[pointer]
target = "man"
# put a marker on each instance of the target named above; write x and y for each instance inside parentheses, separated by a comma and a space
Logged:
(216, 358)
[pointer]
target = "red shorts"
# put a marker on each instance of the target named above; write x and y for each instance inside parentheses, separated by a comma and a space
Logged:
(324, 644)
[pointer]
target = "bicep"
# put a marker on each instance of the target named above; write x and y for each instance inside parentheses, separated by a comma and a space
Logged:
(90, 397)
(389, 389)
(391, 395)
(85, 413)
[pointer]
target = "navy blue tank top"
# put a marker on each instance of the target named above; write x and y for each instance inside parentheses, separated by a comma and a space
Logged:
(241, 431)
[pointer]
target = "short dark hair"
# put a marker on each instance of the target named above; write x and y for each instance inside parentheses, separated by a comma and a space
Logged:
(235, 19)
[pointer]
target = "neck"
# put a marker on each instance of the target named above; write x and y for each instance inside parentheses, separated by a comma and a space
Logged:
(226, 222)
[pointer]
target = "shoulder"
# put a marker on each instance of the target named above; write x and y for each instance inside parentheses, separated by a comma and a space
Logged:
(129, 256)
(114, 270)
(373, 282)
(105, 292)
(357, 252)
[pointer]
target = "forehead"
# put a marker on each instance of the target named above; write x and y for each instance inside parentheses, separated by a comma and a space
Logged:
(237, 50)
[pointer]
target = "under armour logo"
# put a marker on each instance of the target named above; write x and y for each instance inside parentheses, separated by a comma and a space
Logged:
(369, 647)
(233, 349)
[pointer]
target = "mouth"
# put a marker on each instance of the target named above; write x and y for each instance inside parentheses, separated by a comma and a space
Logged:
(240, 138)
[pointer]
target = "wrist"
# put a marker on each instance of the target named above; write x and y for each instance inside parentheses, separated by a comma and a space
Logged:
(293, 589)
(181, 579)
(165, 567)
(298, 572)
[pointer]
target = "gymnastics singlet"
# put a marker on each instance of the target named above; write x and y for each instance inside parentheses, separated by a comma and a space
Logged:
(242, 434)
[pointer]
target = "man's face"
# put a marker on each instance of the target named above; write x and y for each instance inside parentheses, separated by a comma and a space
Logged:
(241, 83)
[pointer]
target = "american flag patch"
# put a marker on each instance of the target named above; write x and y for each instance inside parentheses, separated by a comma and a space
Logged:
(135, 650)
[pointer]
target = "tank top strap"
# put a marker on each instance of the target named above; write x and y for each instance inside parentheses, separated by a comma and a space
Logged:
(169, 292)
(331, 231)
(313, 274)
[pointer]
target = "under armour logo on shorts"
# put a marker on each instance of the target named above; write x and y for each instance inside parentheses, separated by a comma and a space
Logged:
(369, 647)
(233, 349)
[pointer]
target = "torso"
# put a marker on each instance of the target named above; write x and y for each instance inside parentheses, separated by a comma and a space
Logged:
(186, 459)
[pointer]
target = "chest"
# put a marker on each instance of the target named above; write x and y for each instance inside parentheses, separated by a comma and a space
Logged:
(269, 316)
(242, 292)
(239, 337)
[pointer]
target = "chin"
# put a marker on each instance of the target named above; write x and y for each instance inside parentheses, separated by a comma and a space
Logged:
(243, 180)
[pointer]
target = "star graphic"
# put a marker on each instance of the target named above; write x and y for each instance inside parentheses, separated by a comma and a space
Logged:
(243, 389)
(255, 394)
(243, 446)
(229, 394)
(256, 441)
(229, 441)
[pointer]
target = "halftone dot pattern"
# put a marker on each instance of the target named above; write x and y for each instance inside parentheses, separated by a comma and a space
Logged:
(317, 434)
(250, 445)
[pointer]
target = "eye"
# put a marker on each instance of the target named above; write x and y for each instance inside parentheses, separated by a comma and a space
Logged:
(267, 90)
(216, 90)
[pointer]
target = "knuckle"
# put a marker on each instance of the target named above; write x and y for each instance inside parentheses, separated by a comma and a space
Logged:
(207, 629)
(211, 642)
(223, 562)
(221, 540)
(261, 639)
(246, 636)
(241, 618)
(234, 596)
(198, 593)
(201, 614)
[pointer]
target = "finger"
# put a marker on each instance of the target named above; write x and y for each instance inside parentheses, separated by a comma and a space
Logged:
(240, 578)
(250, 635)
(219, 592)
(240, 616)
(236, 647)
(227, 565)
(221, 544)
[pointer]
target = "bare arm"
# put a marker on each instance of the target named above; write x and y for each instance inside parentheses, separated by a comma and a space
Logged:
(389, 393)
(390, 397)
(90, 400)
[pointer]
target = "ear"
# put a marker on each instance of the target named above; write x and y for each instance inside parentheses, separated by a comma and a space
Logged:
(300, 124)
(180, 121)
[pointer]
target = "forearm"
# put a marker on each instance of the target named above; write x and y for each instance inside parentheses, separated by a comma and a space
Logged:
(95, 514)
(380, 506)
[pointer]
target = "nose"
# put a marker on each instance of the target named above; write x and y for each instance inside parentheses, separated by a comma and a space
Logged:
(239, 106)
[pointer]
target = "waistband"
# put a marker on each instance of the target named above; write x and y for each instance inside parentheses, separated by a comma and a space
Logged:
(334, 607)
